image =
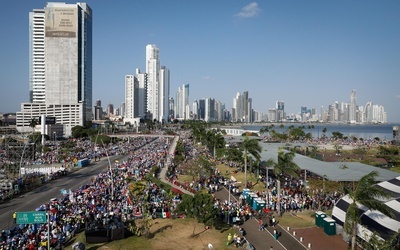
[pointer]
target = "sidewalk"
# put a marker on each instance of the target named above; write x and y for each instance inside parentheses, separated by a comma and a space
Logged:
(163, 172)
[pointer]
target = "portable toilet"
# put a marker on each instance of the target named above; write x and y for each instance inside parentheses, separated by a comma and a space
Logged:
(329, 226)
(261, 205)
(248, 198)
(245, 192)
(255, 203)
(319, 217)
(252, 198)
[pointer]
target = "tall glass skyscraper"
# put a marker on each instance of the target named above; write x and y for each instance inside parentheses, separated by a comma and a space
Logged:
(60, 65)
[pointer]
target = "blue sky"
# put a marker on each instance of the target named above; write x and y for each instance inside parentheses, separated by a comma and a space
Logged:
(306, 53)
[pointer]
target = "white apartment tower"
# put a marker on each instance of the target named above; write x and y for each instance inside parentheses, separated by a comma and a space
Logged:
(131, 97)
(182, 110)
(153, 81)
(60, 66)
(353, 107)
(36, 56)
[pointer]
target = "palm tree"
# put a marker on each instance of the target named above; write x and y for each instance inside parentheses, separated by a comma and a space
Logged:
(367, 194)
(250, 146)
(286, 166)
(33, 124)
(215, 139)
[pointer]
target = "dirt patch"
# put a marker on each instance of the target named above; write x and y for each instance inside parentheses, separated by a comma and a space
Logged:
(174, 234)
(184, 234)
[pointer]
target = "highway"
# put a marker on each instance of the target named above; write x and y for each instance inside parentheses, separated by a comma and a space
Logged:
(31, 200)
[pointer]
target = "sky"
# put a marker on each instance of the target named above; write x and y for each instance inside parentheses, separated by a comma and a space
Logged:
(308, 53)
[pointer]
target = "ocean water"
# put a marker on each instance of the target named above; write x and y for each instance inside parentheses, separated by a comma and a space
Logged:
(365, 131)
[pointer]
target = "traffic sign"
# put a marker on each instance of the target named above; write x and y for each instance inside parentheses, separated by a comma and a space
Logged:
(31, 217)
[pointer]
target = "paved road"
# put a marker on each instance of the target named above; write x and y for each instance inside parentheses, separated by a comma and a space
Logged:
(31, 200)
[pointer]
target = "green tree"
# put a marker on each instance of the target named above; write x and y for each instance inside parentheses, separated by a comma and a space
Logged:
(324, 130)
(234, 154)
(252, 147)
(33, 124)
(78, 132)
(214, 140)
(337, 135)
(201, 207)
(367, 194)
(296, 133)
(337, 148)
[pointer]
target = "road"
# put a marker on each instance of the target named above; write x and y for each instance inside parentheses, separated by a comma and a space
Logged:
(31, 200)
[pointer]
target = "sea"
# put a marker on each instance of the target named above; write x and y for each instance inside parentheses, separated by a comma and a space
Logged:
(365, 131)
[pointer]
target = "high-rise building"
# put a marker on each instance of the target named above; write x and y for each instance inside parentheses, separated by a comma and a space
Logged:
(60, 66)
(164, 94)
(210, 110)
(171, 107)
(353, 107)
(110, 110)
(280, 110)
(202, 109)
(195, 110)
(182, 110)
(142, 96)
(131, 97)
(153, 81)
(242, 108)
(98, 110)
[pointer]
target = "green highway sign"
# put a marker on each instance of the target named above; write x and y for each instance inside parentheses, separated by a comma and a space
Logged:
(31, 217)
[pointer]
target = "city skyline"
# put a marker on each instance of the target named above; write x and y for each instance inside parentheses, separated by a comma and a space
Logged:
(305, 54)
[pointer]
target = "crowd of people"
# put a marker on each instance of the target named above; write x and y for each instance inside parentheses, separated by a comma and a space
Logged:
(103, 204)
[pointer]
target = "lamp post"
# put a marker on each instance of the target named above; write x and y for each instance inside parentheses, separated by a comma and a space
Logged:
(229, 199)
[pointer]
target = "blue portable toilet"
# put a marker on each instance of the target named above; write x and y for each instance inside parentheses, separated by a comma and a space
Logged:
(255, 203)
(245, 192)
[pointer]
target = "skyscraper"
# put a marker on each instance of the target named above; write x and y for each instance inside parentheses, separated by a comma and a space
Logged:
(142, 102)
(353, 107)
(242, 108)
(153, 81)
(164, 94)
(182, 110)
(280, 110)
(60, 66)
(131, 97)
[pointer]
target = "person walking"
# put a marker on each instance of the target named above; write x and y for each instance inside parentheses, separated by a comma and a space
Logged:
(275, 234)
(260, 225)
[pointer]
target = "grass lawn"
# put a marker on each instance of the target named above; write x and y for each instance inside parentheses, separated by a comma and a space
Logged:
(395, 169)
(168, 234)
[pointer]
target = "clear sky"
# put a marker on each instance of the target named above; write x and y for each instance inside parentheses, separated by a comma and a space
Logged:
(306, 53)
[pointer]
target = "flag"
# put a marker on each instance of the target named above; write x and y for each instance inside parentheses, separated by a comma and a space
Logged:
(71, 196)
(129, 200)
(165, 215)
